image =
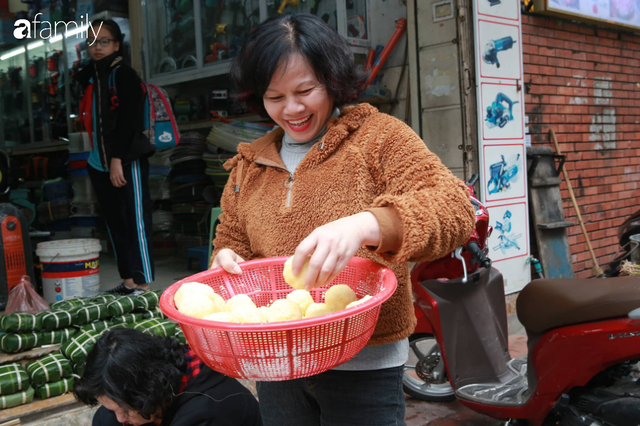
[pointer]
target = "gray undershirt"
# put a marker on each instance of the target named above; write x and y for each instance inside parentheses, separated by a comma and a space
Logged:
(388, 355)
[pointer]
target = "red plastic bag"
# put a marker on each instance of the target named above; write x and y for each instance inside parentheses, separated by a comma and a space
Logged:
(24, 298)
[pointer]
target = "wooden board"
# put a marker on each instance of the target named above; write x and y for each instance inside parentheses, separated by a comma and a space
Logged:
(7, 358)
(37, 406)
(547, 215)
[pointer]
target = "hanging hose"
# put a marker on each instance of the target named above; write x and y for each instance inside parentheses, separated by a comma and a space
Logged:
(401, 26)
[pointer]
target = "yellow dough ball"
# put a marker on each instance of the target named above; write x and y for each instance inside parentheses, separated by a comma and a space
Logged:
(338, 297)
(197, 307)
(192, 289)
(239, 300)
(283, 310)
(295, 281)
(302, 298)
(316, 309)
(221, 316)
(219, 303)
(247, 315)
(357, 302)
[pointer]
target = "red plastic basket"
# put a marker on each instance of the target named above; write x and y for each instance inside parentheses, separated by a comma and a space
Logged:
(283, 350)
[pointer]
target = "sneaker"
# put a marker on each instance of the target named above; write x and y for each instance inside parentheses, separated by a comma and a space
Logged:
(122, 290)
(138, 292)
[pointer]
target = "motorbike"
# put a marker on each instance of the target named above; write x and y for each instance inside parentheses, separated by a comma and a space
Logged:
(582, 366)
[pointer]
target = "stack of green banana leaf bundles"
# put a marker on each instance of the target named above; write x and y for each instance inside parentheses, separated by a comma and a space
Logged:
(156, 327)
(12, 343)
(78, 347)
(18, 398)
(68, 304)
(98, 326)
(103, 326)
(147, 300)
(128, 318)
(180, 336)
(154, 313)
(48, 369)
(122, 305)
(90, 313)
(79, 367)
(56, 337)
(14, 386)
(55, 320)
(19, 323)
(104, 299)
(49, 390)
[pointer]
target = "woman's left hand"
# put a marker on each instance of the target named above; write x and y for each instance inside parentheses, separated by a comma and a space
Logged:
(331, 246)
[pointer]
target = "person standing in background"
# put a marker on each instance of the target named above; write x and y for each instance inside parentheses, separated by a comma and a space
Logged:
(112, 112)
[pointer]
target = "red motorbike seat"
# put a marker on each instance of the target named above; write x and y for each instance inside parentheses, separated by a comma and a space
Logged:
(551, 303)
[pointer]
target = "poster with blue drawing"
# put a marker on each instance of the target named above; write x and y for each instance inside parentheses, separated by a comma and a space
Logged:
(505, 9)
(503, 172)
(500, 50)
(501, 112)
(509, 237)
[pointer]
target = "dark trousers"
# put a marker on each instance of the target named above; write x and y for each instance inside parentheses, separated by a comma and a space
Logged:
(335, 398)
(127, 211)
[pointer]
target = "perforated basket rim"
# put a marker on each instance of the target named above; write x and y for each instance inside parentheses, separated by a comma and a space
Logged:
(389, 285)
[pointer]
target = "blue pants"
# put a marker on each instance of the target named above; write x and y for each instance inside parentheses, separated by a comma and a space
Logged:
(127, 212)
(335, 398)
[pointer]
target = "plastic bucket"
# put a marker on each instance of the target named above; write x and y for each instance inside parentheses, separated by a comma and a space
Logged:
(70, 268)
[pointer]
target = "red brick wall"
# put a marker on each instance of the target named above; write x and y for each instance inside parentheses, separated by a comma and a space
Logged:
(584, 83)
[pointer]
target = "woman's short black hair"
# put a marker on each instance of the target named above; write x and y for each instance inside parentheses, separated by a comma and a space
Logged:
(113, 28)
(276, 39)
(137, 371)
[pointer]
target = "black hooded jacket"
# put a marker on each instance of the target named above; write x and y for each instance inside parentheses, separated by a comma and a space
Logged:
(210, 399)
(118, 131)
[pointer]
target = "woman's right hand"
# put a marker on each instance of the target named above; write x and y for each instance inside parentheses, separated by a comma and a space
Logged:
(228, 260)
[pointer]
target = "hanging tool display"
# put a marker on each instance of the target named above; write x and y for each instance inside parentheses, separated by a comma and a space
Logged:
(220, 29)
(180, 41)
(314, 7)
(501, 175)
(53, 83)
(401, 26)
(492, 48)
(14, 76)
(217, 52)
(52, 60)
(497, 113)
(286, 3)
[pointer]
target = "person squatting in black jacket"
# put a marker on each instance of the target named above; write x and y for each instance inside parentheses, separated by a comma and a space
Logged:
(118, 163)
(141, 379)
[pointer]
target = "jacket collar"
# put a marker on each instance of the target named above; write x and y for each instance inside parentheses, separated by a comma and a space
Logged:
(266, 150)
(85, 74)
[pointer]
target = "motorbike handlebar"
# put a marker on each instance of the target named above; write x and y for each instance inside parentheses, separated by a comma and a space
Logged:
(477, 253)
(472, 181)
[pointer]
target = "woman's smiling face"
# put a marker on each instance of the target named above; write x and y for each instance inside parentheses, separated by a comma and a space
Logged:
(296, 100)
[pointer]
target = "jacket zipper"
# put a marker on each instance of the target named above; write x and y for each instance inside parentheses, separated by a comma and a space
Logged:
(104, 152)
(288, 183)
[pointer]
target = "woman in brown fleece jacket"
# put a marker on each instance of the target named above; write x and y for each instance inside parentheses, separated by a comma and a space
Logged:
(366, 185)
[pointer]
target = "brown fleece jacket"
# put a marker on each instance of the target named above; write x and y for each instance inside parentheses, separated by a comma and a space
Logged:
(367, 161)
